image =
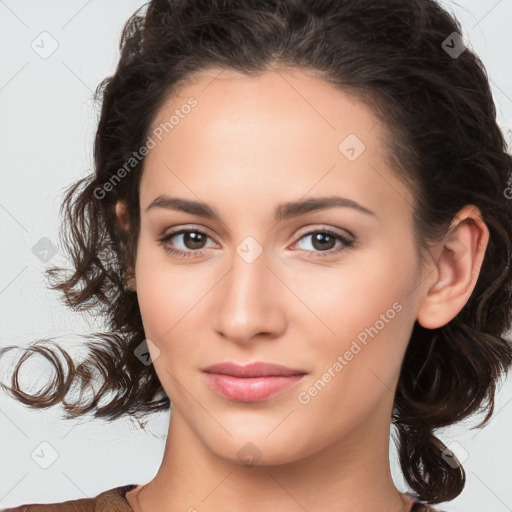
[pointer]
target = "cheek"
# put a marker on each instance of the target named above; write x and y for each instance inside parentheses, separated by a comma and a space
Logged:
(164, 300)
(171, 299)
(367, 316)
(167, 293)
(344, 301)
(356, 371)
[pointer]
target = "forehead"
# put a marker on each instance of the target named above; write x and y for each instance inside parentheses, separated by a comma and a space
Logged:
(297, 99)
(285, 126)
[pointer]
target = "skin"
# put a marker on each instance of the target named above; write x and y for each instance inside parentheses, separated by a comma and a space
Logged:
(250, 144)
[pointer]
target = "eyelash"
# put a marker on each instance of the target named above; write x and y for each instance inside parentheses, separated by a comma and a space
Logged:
(347, 243)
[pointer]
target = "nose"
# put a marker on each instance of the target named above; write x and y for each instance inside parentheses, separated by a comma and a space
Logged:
(250, 301)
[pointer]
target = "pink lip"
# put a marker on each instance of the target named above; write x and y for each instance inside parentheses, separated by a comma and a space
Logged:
(251, 383)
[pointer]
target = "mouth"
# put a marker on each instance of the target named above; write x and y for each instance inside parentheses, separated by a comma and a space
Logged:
(253, 382)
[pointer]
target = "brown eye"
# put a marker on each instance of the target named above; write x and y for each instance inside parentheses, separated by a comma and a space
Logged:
(323, 242)
(192, 242)
(193, 239)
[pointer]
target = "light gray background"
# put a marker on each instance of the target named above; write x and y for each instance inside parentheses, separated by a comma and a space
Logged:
(46, 133)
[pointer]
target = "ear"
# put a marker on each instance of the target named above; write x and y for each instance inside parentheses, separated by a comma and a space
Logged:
(123, 221)
(123, 218)
(457, 267)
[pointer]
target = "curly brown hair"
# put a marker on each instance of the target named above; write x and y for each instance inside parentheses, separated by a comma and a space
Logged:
(447, 146)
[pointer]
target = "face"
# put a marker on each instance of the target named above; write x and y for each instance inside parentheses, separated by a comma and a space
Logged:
(330, 292)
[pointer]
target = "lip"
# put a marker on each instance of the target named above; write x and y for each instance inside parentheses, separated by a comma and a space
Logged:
(254, 382)
(257, 369)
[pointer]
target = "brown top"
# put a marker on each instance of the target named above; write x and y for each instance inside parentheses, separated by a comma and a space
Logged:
(113, 500)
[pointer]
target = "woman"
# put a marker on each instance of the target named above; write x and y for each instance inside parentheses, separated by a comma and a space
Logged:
(299, 231)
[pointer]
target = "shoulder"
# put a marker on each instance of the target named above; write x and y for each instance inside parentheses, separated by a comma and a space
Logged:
(424, 507)
(421, 506)
(111, 500)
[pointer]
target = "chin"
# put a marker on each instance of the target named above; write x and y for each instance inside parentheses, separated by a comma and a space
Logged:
(254, 448)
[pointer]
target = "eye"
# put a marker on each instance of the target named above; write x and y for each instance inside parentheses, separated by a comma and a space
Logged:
(322, 242)
(192, 239)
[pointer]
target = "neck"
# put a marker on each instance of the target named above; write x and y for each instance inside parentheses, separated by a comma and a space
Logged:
(351, 475)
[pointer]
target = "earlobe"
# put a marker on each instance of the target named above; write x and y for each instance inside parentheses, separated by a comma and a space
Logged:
(131, 284)
(458, 267)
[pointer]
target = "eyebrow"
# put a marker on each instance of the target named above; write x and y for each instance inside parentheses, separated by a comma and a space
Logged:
(282, 212)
